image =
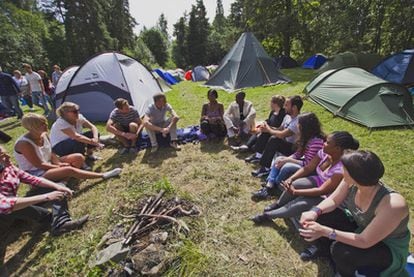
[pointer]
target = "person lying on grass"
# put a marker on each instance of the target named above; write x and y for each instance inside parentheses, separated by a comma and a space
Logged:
(257, 142)
(126, 124)
(33, 153)
(303, 190)
(362, 224)
(161, 118)
(311, 140)
(66, 133)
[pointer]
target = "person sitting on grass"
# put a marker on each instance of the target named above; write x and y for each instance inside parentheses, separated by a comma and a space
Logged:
(303, 189)
(211, 122)
(161, 118)
(28, 208)
(257, 142)
(239, 118)
(126, 124)
(311, 140)
(66, 133)
(363, 225)
(33, 153)
(283, 138)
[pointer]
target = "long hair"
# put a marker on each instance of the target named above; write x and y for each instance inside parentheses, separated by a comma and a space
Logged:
(310, 127)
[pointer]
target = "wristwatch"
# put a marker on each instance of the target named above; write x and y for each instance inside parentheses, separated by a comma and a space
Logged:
(317, 210)
(332, 235)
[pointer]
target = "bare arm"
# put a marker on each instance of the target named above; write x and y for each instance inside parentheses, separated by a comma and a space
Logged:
(151, 126)
(305, 171)
(140, 123)
(79, 137)
(87, 124)
(111, 128)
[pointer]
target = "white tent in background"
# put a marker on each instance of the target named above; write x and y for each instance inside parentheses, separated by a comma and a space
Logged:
(103, 78)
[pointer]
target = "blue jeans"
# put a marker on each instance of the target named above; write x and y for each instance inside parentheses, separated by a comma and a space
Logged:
(277, 175)
(37, 97)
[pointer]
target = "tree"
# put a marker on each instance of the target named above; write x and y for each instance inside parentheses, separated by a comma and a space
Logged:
(198, 31)
(157, 43)
(162, 25)
(179, 48)
(120, 24)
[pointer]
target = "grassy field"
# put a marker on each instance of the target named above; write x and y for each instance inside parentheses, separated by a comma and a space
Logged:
(222, 241)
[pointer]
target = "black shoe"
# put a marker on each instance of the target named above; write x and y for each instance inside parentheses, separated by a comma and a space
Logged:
(261, 194)
(261, 172)
(271, 207)
(260, 219)
(310, 253)
(70, 226)
(252, 159)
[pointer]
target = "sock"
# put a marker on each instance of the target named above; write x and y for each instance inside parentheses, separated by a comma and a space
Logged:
(112, 173)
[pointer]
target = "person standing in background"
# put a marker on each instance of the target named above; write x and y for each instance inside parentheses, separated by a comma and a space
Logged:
(9, 91)
(48, 88)
(36, 87)
(24, 88)
(56, 75)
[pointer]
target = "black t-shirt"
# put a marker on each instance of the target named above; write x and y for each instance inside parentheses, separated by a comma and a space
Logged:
(275, 120)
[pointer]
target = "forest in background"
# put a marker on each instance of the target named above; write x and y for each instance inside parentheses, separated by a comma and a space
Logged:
(67, 32)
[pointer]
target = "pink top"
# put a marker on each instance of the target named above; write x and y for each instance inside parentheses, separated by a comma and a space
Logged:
(9, 183)
(322, 176)
(312, 148)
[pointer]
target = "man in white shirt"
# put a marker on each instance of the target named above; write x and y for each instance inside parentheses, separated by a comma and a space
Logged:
(36, 87)
(239, 117)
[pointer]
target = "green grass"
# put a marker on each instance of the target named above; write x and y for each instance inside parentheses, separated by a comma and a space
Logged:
(222, 242)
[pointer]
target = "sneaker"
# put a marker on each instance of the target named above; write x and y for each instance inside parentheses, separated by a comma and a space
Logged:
(271, 207)
(154, 149)
(133, 150)
(175, 146)
(260, 219)
(112, 173)
(261, 194)
(252, 159)
(261, 172)
(242, 148)
(310, 253)
(124, 150)
(70, 226)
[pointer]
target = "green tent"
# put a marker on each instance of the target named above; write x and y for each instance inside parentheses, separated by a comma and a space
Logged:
(346, 59)
(360, 96)
(246, 65)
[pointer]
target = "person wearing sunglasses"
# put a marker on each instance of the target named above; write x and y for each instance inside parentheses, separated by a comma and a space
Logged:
(67, 136)
(28, 208)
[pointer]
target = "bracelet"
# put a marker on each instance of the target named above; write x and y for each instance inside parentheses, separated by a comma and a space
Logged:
(332, 235)
(317, 210)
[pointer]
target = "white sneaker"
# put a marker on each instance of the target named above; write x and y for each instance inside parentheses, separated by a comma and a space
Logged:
(112, 173)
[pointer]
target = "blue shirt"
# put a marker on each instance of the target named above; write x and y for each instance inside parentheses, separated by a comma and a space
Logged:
(8, 87)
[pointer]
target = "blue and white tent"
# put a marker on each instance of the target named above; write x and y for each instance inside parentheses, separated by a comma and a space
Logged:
(105, 77)
(398, 68)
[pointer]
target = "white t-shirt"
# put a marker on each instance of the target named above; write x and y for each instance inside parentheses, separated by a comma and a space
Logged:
(56, 134)
(34, 79)
(293, 126)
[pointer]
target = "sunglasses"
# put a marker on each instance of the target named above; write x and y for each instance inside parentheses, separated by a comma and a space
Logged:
(74, 111)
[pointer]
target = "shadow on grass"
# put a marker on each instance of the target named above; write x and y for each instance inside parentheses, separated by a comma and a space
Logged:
(156, 159)
(18, 259)
(10, 125)
(213, 146)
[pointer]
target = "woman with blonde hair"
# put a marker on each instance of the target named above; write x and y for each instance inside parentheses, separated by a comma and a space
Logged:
(33, 153)
(66, 133)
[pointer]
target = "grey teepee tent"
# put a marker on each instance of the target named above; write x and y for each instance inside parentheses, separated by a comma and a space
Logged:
(246, 65)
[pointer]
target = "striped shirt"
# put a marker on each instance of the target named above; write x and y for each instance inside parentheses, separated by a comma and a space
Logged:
(312, 148)
(124, 119)
(9, 184)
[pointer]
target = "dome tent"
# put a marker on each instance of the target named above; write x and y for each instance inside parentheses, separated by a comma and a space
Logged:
(359, 96)
(397, 68)
(364, 60)
(103, 78)
(314, 62)
(246, 65)
(200, 73)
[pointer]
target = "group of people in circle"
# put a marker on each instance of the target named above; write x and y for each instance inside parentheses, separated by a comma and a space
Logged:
(333, 189)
